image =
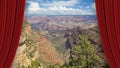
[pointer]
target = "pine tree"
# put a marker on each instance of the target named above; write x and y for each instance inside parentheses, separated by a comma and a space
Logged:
(83, 55)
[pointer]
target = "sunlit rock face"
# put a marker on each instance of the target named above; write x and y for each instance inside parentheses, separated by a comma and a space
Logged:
(34, 47)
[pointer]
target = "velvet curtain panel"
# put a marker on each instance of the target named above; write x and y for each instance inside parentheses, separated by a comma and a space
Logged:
(11, 17)
(108, 13)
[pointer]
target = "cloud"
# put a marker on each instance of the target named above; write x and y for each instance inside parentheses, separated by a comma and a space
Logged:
(93, 5)
(61, 3)
(34, 8)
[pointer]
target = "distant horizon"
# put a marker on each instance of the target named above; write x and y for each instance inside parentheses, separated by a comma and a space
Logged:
(59, 15)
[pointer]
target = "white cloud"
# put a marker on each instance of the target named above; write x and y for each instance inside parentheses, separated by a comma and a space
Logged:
(35, 9)
(34, 6)
(62, 3)
(93, 5)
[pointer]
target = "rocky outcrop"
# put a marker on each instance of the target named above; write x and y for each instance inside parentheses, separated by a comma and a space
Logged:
(93, 36)
(73, 36)
(34, 47)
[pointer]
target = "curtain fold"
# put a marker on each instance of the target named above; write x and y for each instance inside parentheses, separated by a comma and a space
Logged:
(11, 16)
(3, 8)
(109, 26)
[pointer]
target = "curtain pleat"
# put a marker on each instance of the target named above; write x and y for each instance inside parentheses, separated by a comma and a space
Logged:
(8, 30)
(3, 14)
(109, 26)
(12, 12)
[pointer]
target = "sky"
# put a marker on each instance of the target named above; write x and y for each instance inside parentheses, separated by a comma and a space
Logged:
(59, 7)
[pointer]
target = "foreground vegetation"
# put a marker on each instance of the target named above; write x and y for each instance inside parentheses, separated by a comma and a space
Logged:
(82, 56)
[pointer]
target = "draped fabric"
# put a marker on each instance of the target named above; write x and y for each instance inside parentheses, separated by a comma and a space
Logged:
(11, 16)
(108, 13)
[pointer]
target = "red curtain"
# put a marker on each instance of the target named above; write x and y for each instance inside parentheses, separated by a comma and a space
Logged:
(11, 16)
(108, 13)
